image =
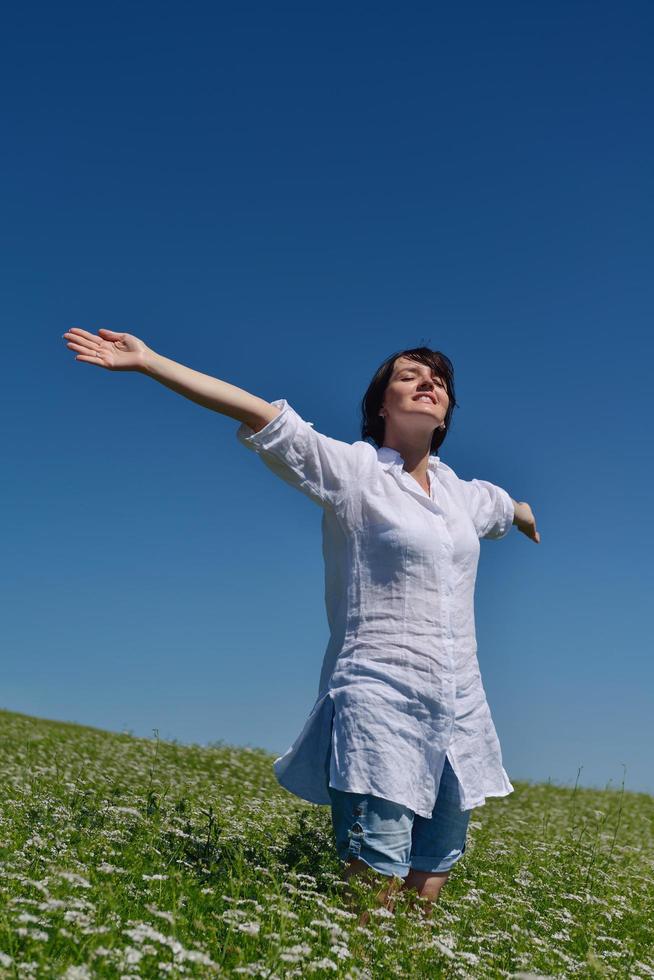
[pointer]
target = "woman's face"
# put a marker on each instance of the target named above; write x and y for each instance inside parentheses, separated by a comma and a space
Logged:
(414, 394)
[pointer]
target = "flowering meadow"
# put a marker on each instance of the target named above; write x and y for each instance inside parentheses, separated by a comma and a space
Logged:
(125, 857)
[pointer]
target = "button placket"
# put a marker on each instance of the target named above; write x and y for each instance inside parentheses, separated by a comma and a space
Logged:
(446, 607)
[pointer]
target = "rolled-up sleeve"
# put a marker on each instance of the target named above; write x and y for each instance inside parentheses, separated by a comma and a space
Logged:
(313, 463)
(490, 508)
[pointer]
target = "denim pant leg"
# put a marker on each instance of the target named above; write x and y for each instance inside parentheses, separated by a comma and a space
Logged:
(372, 829)
(438, 843)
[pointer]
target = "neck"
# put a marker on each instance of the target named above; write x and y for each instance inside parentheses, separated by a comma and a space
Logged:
(416, 457)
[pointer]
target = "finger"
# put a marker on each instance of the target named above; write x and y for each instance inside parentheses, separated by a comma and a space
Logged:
(112, 332)
(84, 345)
(78, 332)
(91, 360)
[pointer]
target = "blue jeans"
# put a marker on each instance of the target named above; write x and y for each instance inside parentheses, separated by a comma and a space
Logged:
(391, 838)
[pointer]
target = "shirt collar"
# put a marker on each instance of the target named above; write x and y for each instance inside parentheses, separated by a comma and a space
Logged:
(390, 457)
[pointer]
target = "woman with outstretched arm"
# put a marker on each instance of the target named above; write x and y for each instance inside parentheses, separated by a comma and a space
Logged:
(400, 740)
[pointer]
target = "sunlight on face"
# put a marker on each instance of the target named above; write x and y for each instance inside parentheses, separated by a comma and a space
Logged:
(408, 380)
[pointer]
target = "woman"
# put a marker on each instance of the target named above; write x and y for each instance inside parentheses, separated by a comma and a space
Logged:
(400, 741)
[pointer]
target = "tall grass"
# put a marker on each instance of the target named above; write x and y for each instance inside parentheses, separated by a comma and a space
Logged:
(125, 857)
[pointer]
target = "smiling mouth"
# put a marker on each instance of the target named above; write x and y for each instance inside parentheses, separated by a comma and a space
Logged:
(428, 398)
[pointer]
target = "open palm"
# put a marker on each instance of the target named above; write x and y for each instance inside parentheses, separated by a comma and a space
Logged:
(107, 349)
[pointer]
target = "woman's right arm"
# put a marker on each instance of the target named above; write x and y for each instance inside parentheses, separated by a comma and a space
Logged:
(125, 352)
(323, 468)
(219, 396)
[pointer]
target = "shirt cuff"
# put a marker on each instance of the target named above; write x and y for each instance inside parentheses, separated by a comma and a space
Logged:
(265, 437)
(509, 513)
(259, 440)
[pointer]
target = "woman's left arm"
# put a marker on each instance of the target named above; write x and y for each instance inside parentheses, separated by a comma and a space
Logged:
(525, 521)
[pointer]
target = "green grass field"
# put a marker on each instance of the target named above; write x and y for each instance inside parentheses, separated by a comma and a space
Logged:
(125, 857)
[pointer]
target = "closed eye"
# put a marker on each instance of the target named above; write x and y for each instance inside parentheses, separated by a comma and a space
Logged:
(410, 378)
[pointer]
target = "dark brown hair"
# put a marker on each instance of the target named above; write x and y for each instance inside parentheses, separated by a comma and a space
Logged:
(373, 425)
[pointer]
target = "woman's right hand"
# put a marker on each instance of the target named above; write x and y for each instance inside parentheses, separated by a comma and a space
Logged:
(108, 349)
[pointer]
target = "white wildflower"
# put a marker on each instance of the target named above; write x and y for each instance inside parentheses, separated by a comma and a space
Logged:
(77, 973)
(232, 915)
(132, 956)
(340, 950)
(39, 885)
(343, 913)
(437, 944)
(27, 917)
(531, 976)
(382, 913)
(293, 953)
(79, 918)
(33, 933)
(324, 964)
(75, 879)
(167, 967)
(256, 969)
(474, 895)
(143, 931)
(102, 951)
(168, 916)
(250, 928)
(288, 957)
(110, 869)
(27, 968)
(196, 956)
(53, 903)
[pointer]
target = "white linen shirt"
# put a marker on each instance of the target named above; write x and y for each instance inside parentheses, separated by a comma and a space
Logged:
(400, 687)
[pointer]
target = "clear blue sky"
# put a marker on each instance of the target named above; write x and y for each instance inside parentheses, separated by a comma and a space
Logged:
(281, 196)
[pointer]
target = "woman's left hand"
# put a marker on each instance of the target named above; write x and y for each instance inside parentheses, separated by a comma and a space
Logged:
(525, 521)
